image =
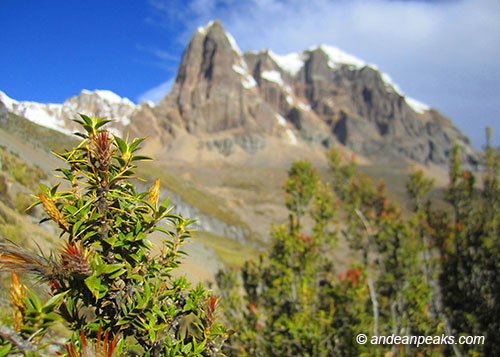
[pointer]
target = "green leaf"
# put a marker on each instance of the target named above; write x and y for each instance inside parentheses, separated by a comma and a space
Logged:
(148, 243)
(163, 230)
(53, 190)
(135, 143)
(76, 226)
(34, 300)
(102, 122)
(4, 350)
(111, 240)
(200, 347)
(109, 268)
(152, 335)
(138, 228)
(88, 128)
(44, 189)
(81, 122)
(54, 302)
(71, 209)
(187, 348)
(118, 273)
(141, 158)
(165, 202)
(93, 283)
(86, 119)
(121, 144)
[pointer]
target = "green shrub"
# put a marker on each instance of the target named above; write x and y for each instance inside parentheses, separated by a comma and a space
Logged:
(433, 272)
(105, 283)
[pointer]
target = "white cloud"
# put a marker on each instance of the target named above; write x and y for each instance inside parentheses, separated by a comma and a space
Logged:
(157, 93)
(426, 46)
(160, 54)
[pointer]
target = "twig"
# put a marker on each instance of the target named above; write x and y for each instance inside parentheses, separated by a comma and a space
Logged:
(6, 333)
(373, 297)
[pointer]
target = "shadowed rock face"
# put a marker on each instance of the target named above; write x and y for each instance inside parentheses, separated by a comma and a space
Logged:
(239, 97)
(3, 111)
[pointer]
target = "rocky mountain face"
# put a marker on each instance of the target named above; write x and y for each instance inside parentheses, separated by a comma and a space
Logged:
(317, 98)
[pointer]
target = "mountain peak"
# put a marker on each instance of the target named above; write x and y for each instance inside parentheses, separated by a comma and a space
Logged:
(215, 30)
(108, 96)
(337, 56)
(7, 101)
(320, 96)
(215, 24)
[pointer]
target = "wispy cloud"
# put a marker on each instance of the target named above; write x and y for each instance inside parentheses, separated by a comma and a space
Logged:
(159, 53)
(157, 93)
(428, 47)
(159, 58)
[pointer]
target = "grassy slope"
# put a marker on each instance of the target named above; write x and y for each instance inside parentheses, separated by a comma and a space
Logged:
(230, 252)
(207, 203)
(36, 136)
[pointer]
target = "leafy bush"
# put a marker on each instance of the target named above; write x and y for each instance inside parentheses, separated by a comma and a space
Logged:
(433, 272)
(115, 296)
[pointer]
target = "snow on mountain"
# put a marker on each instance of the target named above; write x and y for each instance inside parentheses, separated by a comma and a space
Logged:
(291, 135)
(233, 43)
(417, 106)
(280, 119)
(304, 106)
(47, 115)
(293, 62)
(7, 101)
(272, 76)
(337, 56)
(413, 103)
(110, 97)
(204, 29)
(282, 122)
(103, 103)
(58, 116)
(247, 81)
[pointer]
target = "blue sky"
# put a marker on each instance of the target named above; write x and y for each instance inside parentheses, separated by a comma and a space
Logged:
(443, 53)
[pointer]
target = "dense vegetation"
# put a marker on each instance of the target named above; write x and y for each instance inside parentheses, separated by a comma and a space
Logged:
(114, 296)
(435, 272)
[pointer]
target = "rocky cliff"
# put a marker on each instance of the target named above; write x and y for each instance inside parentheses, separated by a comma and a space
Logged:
(318, 97)
(228, 101)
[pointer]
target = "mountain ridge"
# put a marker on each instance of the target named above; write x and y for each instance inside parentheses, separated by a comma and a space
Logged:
(228, 100)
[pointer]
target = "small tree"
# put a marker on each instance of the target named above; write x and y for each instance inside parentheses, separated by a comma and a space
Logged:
(293, 304)
(468, 241)
(298, 302)
(105, 283)
(299, 188)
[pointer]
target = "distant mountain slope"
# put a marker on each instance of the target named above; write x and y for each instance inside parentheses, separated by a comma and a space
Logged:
(58, 116)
